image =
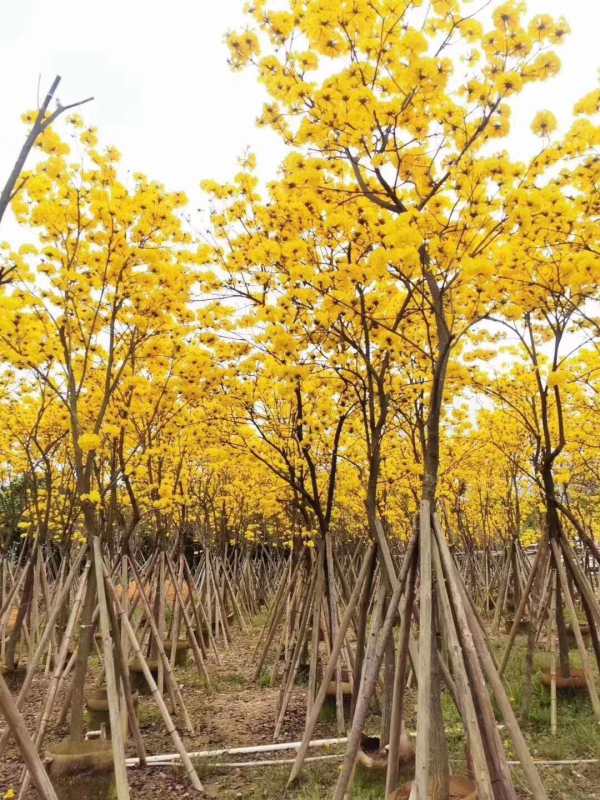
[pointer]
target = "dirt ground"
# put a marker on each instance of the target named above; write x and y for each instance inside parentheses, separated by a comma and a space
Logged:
(237, 711)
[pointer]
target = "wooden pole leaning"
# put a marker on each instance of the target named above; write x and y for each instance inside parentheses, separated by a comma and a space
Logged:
(313, 716)
(494, 680)
(31, 757)
(171, 729)
(112, 688)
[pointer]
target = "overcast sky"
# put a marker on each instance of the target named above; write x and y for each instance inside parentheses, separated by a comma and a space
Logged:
(164, 94)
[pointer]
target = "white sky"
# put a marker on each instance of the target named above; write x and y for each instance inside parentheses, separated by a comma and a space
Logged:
(164, 94)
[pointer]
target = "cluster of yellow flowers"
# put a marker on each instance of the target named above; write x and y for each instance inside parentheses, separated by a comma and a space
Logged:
(342, 304)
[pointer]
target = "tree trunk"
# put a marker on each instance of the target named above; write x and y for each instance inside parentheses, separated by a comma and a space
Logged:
(83, 652)
(554, 535)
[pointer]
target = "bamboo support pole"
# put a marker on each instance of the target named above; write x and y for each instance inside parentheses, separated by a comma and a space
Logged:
(426, 656)
(55, 611)
(502, 594)
(112, 688)
(314, 643)
(162, 656)
(11, 595)
(492, 775)
(86, 630)
(190, 629)
(278, 609)
(495, 682)
(313, 716)
(200, 616)
(55, 678)
(274, 747)
(553, 716)
(402, 656)
(160, 624)
(129, 717)
(524, 598)
(331, 596)
(10, 712)
(296, 652)
(171, 729)
(370, 671)
(234, 601)
(589, 678)
(199, 611)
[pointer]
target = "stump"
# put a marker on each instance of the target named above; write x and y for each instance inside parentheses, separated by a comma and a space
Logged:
(137, 677)
(329, 704)
(303, 673)
(14, 677)
(182, 648)
(574, 683)
(522, 627)
(81, 770)
(96, 701)
(585, 633)
(372, 756)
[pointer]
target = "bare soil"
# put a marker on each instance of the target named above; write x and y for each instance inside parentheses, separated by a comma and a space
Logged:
(237, 711)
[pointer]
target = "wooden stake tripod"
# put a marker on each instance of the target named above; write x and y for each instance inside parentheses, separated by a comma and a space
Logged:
(444, 606)
(565, 574)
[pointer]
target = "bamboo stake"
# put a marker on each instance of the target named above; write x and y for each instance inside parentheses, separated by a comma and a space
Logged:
(190, 630)
(176, 623)
(313, 716)
(171, 729)
(370, 672)
(339, 700)
(34, 610)
(580, 579)
(238, 751)
(483, 775)
(9, 710)
(69, 693)
(56, 609)
(524, 598)
(86, 630)
(278, 609)
(3, 571)
(367, 686)
(314, 644)
(426, 656)
(363, 612)
(56, 675)
(589, 678)
(9, 598)
(396, 721)
(47, 599)
(199, 611)
(160, 608)
(129, 717)
(494, 680)
(112, 689)
(295, 654)
(234, 600)
(553, 720)
(163, 659)
(502, 594)
(271, 762)
(23, 609)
